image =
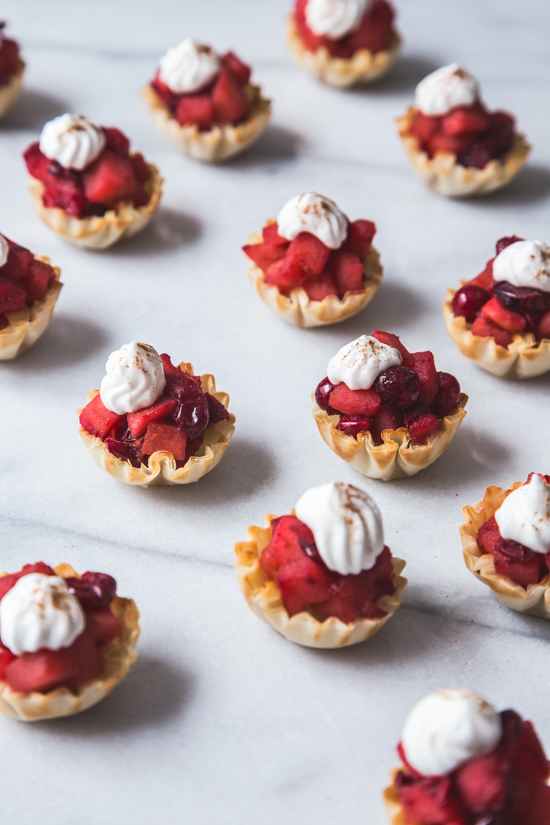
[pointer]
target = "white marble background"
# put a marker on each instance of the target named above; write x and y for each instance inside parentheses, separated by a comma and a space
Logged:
(221, 721)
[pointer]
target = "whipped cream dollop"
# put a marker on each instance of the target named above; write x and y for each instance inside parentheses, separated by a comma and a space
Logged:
(447, 728)
(346, 525)
(335, 18)
(315, 214)
(40, 611)
(4, 250)
(72, 140)
(359, 363)
(524, 515)
(135, 378)
(524, 263)
(446, 88)
(189, 66)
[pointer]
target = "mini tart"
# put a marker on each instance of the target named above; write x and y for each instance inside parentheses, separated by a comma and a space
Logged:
(100, 232)
(362, 68)
(298, 309)
(118, 655)
(535, 598)
(525, 357)
(264, 599)
(443, 174)
(396, 457)
(162, 466)
(9, 92)
(222, 141)
(28, 324)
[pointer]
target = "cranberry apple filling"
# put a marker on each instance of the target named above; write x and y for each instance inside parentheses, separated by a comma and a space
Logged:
(9, 58)
(23, 280)
(373, 32)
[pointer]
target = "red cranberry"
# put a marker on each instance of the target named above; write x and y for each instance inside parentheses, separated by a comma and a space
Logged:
(216, 410)
(477, 156)
(322, 394)
(448, 395)
(468, 301)
(522, 299)
(182, 385)
(508, 240)
(192, 415)
(353, 424)
(398, 385)
(93, 589)
(514, 550)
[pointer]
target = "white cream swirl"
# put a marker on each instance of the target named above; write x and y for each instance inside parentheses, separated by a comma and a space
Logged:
(524, 515)
(40, 611)
(189, 66)
(524, 263)
(72, 140)
(335, 18)
(135, 378)
(315, 214)
(447, 728)
(446, 88)
(359, 363)
(346, 525)
(4, 250)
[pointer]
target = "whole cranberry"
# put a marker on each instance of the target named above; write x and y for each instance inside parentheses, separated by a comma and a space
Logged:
(478, 155)
(508, 240)
(398, 385)
(448, 395)
(192, 415)
(322, 395)
(468, 301)
(182, 385)
(522, 299)
(93, 589)
(514, 550)
(353, 424)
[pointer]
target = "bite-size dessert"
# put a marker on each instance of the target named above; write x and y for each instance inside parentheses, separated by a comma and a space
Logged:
(322, 576)
(501, 318)
(155, 423)
(65, 640)
(344, 42)
(466, 764)
(387, 411)
(456, 145)
(29, 288)
(506, 541)
(205, 103)
(313, 266)
(87, 185)
(12, 68)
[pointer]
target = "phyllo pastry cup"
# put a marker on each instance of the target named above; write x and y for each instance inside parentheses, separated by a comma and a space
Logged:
(362, 68)
(264, 599)
(447, 177)
(28, 324)
(9, 92)
(117, 655)
(100, 232)
(393, 803)
(162, 469)
(533, 599)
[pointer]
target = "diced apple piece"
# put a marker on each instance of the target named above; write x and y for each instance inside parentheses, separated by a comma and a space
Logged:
(347, 271)
(424, 367)
(387, 417)
(394, 341)
(286, 274)
(542, 329)
(110, 180)
(271, 235)
(195, 110)
(320, 287)
(505, 318)
(359, 239)
(264, 254)
(97, 420)
(354, 402)
(484, 327)
(311, 253)
(117, 140)
(466, 119)
(138, 421)
(302, 584)
(103, 625)
(235, 65)
(12, 297)
(487, 537)
(168, 438)
(229, 100)
(286, 545)
(37, 279)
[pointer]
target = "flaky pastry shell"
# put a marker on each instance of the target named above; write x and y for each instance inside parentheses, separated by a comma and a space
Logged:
(298, 309)
(396, 457)
(264, 599)
(535, 598)
(28, 324)
(162, 466)
(393, 804)
(100, 232)
(362, 68)
(524, 357)
(118, 655)
(218, 143)
(9, 92)
(443, 174)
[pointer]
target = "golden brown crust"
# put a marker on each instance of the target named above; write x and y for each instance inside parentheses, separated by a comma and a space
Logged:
(162, 466)
(393, 804)
(100, 232)
(396, 457)
(218, 143)
(525, 357)
(264, 599)
(443, 174)
(118, 655)
(9, 92)
(535, 598)
(362, 68)
(298, 309)
(28, 324)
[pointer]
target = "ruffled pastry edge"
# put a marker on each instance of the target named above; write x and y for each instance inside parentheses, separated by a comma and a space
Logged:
(9, 92)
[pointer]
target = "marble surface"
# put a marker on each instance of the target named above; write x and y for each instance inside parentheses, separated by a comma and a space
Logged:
(220, 720)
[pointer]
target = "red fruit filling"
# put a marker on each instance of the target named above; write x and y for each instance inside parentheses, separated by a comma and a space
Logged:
(504, 787)
(72, 666)
(114, 177)
(175, 423)
(9, 58)
(23, 280)
(373, 32)
(223, 101)
(292, 561)
(499, 309)
(413, 395)
(307, 262)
